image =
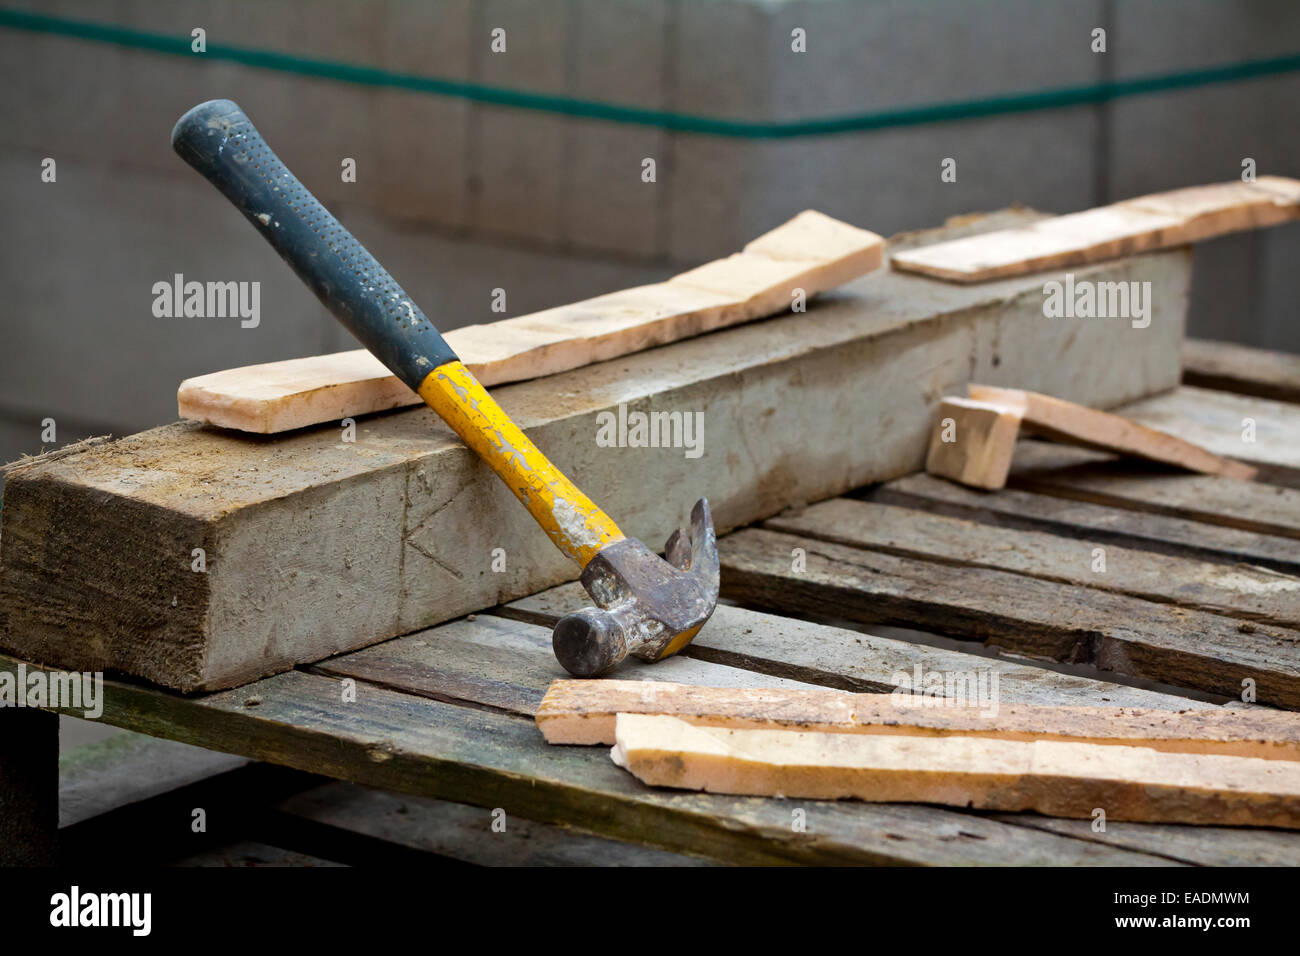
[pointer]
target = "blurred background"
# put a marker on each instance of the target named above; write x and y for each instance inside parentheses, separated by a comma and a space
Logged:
(460, 194)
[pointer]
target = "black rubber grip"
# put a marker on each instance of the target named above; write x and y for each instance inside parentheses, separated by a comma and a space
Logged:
(217, 139)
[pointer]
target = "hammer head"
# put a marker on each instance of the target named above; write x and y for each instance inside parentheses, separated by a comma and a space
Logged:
(647, 605)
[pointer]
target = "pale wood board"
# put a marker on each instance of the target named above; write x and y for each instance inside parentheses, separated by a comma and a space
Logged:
(584, 713)
(1077, 424)
(978, 450)
(1050, 777)
(811, 253)
(1157, 221)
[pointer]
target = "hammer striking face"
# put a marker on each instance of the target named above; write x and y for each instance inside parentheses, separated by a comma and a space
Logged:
(647, 605)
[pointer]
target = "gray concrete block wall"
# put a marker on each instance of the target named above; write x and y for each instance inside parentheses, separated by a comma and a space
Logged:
(460, 197)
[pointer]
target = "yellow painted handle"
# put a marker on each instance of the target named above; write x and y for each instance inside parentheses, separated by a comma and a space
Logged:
(577, 526)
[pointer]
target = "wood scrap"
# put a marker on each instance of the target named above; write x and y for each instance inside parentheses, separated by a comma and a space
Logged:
(976, 437)
(584, 712)
(812, 252)
(1046, 776)
(974, 442)
(1157, 221)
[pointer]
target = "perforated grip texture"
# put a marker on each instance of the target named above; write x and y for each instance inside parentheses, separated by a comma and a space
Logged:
(218, 140)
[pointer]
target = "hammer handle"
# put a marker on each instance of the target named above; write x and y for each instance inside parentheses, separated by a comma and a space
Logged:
(218, 140)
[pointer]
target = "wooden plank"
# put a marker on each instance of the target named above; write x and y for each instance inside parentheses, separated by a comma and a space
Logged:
(1095, 477)
(1263, 432)
(29, 787)
(1049, 777)
(1228, 367)
(1041, 619)
(854, 660)
(584, 713)
(1157, 221)
(504, 664)
(1242, 592)
(461, 832)
(810, 254)
(1159, 533)
(1077, 424)
(1203, 845)
(315, 546)
(428, 748)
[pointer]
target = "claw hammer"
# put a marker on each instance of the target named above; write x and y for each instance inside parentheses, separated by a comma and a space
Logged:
(647, 606)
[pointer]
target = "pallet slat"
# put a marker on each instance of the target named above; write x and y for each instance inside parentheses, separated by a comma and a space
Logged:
(414, 745)
(1140, 530)
(1228, 367)
(1241, 592)
(1098, 478)
(1043, 619)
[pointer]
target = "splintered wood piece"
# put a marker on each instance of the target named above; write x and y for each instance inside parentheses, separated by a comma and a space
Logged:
(811, 253)
(1046, 776)
(1077, 424)
(975, 447)
(584, 712)
(1157, 221)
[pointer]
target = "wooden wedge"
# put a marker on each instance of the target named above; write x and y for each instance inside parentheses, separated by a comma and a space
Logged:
(812, 252)
(584, 712)
(1077, 424)
(1046, 776)
(1157, 221)
(975, 437)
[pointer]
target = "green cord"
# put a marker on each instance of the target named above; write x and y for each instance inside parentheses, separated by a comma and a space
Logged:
(661, 119)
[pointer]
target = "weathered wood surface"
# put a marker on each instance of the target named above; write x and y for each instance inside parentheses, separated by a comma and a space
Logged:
(1156, 221)
(1096, 477)
(1202, 845)
(1228, 367)
(1052, 777)
(315, 545)
(1025, 615)
(462, 832)
(810, 254)
(853, 660)
(1141, 530)
(1242, 592)
(1263, 432)
(415, 745)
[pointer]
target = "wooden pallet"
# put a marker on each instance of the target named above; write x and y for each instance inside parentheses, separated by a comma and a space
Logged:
(1201, 592)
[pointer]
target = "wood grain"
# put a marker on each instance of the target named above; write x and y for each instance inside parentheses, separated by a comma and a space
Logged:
(811, 253)
(1024, 615)
(1157, 221)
